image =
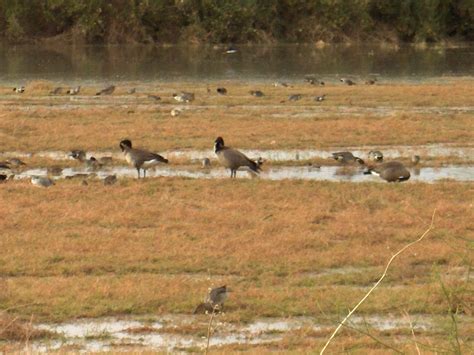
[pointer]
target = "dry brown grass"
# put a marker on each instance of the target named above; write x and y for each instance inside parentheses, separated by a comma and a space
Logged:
(92, 251)
(415, 114)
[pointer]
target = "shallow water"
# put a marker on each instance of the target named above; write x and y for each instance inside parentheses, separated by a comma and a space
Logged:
(324, 173)
(390, 151)
(85, 64)
(112, 333)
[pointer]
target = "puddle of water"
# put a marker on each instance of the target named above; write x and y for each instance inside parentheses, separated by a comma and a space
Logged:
(325, 173)
(390, 152)
(111, 333)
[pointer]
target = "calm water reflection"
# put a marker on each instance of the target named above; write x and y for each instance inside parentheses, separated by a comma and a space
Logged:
(252, 63)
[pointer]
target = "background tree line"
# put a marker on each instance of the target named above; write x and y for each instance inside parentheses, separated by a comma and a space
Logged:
(232, 21)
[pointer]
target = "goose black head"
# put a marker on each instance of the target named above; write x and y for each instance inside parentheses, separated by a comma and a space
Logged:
(218, 143)
(126, 143)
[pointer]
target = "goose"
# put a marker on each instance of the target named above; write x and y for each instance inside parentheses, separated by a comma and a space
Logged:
(19, 89)
(392, 171)
(233, 159)
(140, 159)
(217, 296)
(346, 157)
(107, 91)
(376, 155)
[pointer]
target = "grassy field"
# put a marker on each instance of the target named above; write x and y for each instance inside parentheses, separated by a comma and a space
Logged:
(286, 248)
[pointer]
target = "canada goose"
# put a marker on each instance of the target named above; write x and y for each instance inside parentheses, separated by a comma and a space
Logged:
(313, 81)
(74, 90)
(154, 97)
(221, 91)
(107, 91)
(184, 97)
(295, 97)
(41, 181)
(376, 155)
(56, 91)
(256, 93)
(320, 98)
(347, 81)
(415, 159)
(110, 180)
(206, 163)
(346, 157)
(19, 89)
(217, 296)
(233, 159)
(392, 171)
(140, 159)
(370, 82)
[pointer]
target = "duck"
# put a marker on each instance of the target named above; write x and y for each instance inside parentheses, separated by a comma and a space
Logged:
(256, 93)
(140, 159)
(392, 171)
(295, 97)
(77, 154)
(233, 159)
(347, 81)
(221, 91)
(107, 91)
(74, 90)
(184, 97)
(42, 181)
(347, 157)
(376, 155)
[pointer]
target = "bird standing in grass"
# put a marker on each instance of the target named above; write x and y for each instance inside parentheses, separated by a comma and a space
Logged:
(346, 158)
(140, 159)
(41, 181)
(233, 159)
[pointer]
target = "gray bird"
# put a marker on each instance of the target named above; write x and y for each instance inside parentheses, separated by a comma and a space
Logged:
(140, 159)
(110, 180)
(93, 163)
(107, 91)
(56, 91)
(347, 81)
(74, 90)
(346, 158)
(392, 171)
(233, 159)
(256, 93)
(376, 155)
(295, 97)
(184, 97)
(217, 296)
(41, 181)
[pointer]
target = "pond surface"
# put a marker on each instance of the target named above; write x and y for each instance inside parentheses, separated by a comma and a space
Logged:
(90, 64)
